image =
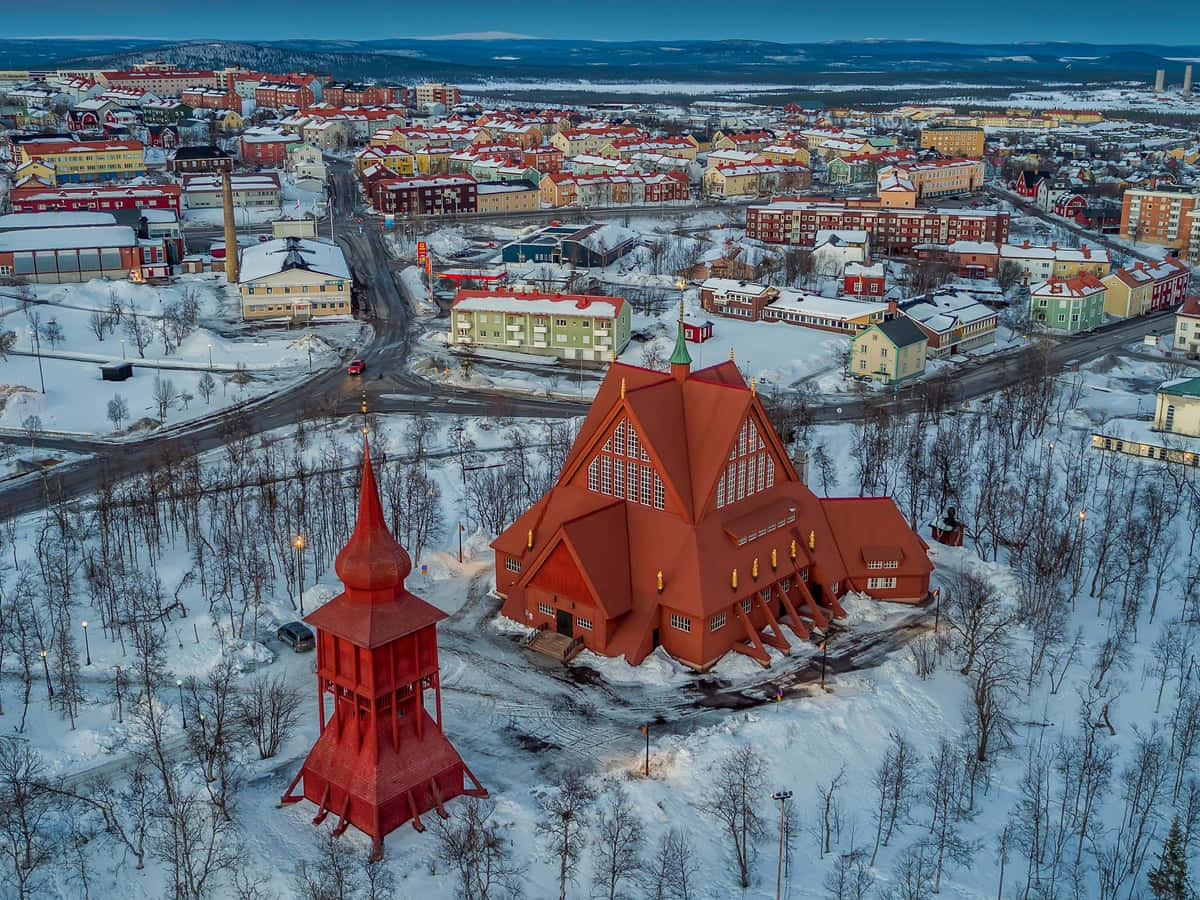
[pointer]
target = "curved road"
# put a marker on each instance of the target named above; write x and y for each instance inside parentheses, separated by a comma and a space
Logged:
(391, 389)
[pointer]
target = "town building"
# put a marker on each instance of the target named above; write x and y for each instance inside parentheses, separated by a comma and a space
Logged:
(294, 278)
(1145, 287)
(1036, 263)
(934, 178)
(206, 158)
(1187, 328)
(952, 320)
(86, 160)
(587, 191)
(833, 250)
(211, 98)
(169, 111)
(568, 326)
(431, 92)
(266, 146)
(736, 299)
(507, 197)
(380, 759)
(397, 159)
(163, 79)
(950, 140)
(891, 230)
(865, 279)
(582, 246)
(1177, 407)
(545, 158)
(1158, 216)
(260, 189)
(62, 253)
(1069, 305)
(678, 521)
(43, 198)
(808, 310)
(755, 179)
(425, 195)
(889, 352)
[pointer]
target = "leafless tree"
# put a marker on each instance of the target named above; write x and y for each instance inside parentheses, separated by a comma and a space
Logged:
(118, 411)
(8, 340)
(733, 801)
(915, 872)
(827, 796)
(333, 876)
(669, 875)
(26, 817)
(138, 330)
(894, 788)
(196, 843)
(944, 792)
(491, 498)
(32, 426)
(565, 824)
(99, 323)
(976, 614)
(164, 396)
(851, 877)
(268, 708)
(207, 387)
(480, 853)
(619, 836)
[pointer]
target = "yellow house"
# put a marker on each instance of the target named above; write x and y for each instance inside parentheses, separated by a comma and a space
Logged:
(1177, 407)
(36, 169)
(229, 120)
(783, 154)
(889, 351)
(950, 140)
(512, 196)
(294, 278)
(732, 181)
(433, 160)
(1130, 292)
(87, 160)
(395, 158)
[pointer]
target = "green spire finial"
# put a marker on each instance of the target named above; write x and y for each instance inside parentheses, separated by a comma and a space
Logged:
(681, 357)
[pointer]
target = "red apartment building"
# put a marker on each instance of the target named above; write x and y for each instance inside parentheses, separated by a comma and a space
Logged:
(211, 98)
(266, 146)
(546, 158)
(102, 198)
(164, 81)
(341, 93)
(424, 195)
(891, 230)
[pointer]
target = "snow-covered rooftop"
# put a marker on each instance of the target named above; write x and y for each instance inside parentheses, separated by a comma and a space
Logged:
(82, 238)
(271, 257)
(55, 220)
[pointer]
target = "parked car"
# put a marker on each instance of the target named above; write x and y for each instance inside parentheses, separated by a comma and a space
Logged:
(296, 635)
(356, 367)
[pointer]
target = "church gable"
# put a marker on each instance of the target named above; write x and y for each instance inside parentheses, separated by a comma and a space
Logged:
(753, 464)
(559, 574)
(621, 467)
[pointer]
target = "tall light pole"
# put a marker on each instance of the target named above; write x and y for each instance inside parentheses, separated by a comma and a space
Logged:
(646, 732)
(37, 343)
(46, 669)
(298, 543)
(87, 648)
(782, 797)
(824, 657)
(122, 348)
(182, 721)
(209, 356)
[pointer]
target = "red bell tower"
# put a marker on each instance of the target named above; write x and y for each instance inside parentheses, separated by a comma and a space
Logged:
(381, 759)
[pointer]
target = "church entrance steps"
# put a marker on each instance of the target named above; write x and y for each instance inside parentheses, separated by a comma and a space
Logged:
(555, 645)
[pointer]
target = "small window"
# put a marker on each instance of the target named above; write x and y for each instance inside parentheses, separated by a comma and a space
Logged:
(717, 622)
(585, 624)
(545, 609)
(512, 564)
(681, 623)
(746, 605)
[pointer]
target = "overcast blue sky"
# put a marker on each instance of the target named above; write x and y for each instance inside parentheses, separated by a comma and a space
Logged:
(780, 20)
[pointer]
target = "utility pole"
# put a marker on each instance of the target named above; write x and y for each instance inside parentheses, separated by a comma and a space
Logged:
(782, 797)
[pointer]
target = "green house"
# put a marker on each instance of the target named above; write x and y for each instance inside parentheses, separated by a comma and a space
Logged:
(889, 352)
(1068, 305)
(569, 326)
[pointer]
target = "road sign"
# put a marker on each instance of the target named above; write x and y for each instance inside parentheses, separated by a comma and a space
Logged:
(389, 221)
(422, 252)
(429, 266)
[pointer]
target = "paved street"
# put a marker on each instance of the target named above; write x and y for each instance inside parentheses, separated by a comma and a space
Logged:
(391, 389)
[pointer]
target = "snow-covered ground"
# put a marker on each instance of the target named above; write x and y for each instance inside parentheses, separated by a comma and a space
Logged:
(241, 361)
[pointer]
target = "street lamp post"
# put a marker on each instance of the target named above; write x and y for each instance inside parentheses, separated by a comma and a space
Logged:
(46, 669)
(122, 348)
(298, 543)
(209, 356)
(461, 529)
(824, 657)
(86, 647)
(782, 797)
(182, 720)
(646, 732)
(37, 342)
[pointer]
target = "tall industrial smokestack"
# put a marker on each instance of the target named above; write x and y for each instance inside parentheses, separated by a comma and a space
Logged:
(231, 247)
(1187, 81)
(1160, 80)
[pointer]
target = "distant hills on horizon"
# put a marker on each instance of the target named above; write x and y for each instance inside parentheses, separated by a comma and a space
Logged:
(484, 57)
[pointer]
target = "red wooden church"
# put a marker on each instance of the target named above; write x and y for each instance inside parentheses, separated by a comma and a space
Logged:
(381, 759)
(679, 521)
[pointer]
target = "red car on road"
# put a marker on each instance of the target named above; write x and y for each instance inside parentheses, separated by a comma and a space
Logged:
(356, 367)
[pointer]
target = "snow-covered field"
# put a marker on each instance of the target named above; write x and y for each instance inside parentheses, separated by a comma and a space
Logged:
(241, 362)
(520, 724)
